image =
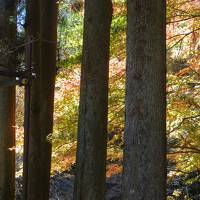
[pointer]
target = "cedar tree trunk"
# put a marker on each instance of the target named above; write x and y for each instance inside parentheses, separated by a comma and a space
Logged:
(7, 100)
(144, 175)
(42, 23)
(92, 128)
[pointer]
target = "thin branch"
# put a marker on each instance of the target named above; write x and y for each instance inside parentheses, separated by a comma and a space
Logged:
(185, 12)
(194, 71)
(16, 48)
(190, 148)
(181, 20)
(177, 42)
(183, 120)
(185, 34)
(187, 147)
(183, 152)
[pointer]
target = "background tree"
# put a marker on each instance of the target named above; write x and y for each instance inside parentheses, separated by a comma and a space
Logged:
(92, 129)
(42, 26)
(33, 31)
(145, 136)
(7, 100)
(48, 31)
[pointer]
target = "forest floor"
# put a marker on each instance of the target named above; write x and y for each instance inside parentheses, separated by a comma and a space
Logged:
(182, 187)
(61, 187)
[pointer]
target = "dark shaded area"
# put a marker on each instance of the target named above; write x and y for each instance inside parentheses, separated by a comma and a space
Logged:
(186, 185)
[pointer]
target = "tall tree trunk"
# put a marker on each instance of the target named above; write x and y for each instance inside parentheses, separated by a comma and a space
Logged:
(7, 101)
(43, 27)
(33, 30)
(48, 28)
(145, 136)
(92, 130)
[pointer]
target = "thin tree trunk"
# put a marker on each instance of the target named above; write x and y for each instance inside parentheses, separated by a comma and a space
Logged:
(48, 28)
(7, 101)
(144, 175)
(92, 130)
(33, 31)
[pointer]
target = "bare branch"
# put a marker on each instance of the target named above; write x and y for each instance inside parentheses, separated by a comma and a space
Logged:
(184, 34)
(183, 120)
(185, 19)
(183, 152)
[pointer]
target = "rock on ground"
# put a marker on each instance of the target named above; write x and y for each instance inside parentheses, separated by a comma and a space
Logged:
(61, 187)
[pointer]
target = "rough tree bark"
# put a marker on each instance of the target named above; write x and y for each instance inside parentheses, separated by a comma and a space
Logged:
(42, 26)
(145, 136)
(92, 129)
(33, 32)
(7, 101)
(48, 30)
